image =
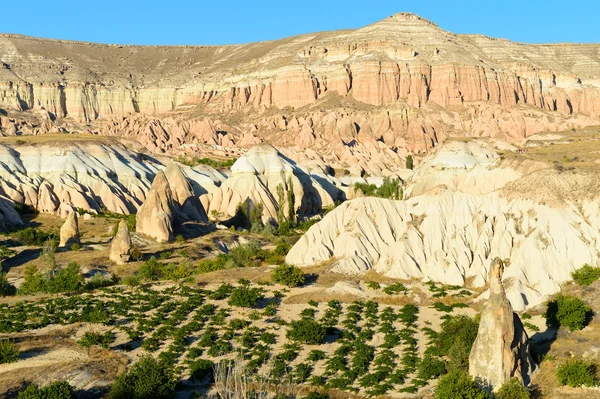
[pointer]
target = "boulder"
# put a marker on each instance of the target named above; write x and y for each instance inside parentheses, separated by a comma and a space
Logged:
(120, 246)
(501, 349)
(155, 216)
(69, 232)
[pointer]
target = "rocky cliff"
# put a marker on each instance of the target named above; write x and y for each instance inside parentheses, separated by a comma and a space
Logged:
(403, 81)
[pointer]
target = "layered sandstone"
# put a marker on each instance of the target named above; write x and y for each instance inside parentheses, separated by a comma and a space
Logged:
(432, 83)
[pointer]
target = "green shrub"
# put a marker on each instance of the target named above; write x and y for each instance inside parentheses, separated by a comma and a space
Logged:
(9, 351)
(390, 188)
(577, 373)
(307, 331)
(67, 279)
(202, 370)
(94, 338)
(316, 395)
(289, 275)
(151, 270)
(409, 162)
(431, 367)
(75, 246)
(146, 379)
(6, 288)
(456, 339)
(244, 296)
(586, 275)
(513, 389)
(567, 311)
(33, 237)
(459, 385)
(55, 390)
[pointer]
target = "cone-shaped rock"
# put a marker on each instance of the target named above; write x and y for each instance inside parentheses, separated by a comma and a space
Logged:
(188, 206)
(120, 246)
(501, 350)
(69, 232)
(155, 216)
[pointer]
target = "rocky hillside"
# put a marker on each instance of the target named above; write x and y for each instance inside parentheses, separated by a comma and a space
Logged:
(403, 82)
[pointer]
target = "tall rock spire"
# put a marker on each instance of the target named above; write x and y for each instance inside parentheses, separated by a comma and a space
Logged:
(501, 350)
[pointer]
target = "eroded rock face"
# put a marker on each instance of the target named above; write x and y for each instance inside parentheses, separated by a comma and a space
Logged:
(156, 215)
(120, 247)
(69, 232)
(256, 176)
(8, 215)
(187, 204)
(501, 349)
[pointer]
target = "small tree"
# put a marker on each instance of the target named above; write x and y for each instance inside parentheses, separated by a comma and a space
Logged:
(459, 385)
(513, 389)
(567, 311)
(577, 373)
(55, 390)
(307, 331)
(9, 352)
(586, 275)
(6, 288)
(49, 253)
(291, 200)
(148, 378)
(409, 162)
(244, 296)
(289, 275)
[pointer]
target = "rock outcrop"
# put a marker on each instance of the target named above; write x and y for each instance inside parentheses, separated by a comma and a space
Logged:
(120, 247)
(156, 215)
(187, 203)
(449, 237)
(256, 176)
(8, 215)
(93, 174)
(432, 83)
(501, 349)
(69, 231)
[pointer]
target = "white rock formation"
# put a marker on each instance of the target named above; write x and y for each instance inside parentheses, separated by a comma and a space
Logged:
(255, 177)
(453, 236)
(69, 231)
(91, 175)
(120, 247)
(155, 217)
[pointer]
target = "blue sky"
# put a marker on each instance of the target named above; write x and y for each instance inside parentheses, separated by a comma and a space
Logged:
(226, 22)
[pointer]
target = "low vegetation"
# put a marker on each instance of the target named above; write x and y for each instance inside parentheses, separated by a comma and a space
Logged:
(67, 279)
(9, 351)
(390, 188)
(147, 378)
(586, 275)
(55, 390)
(459, 385)
(289, 275)
(567, 311)
(215, 163)
(577, 373)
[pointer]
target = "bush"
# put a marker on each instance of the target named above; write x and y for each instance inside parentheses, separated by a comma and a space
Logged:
(67, 279)
(9, 352)
(289, 275)
(56, 390)
(409, 162)
(146, 379)
(459, 385)
(390, 188)
(586, 275)
(151, 270)
(307, 331)
(577, 373)
(430, 368)
(6, 288)
(33, 237)
(456, 339)
(93, 338)
(513, 389)
(244, 296)
(567, 311)
(202, 370)
(316, 395)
